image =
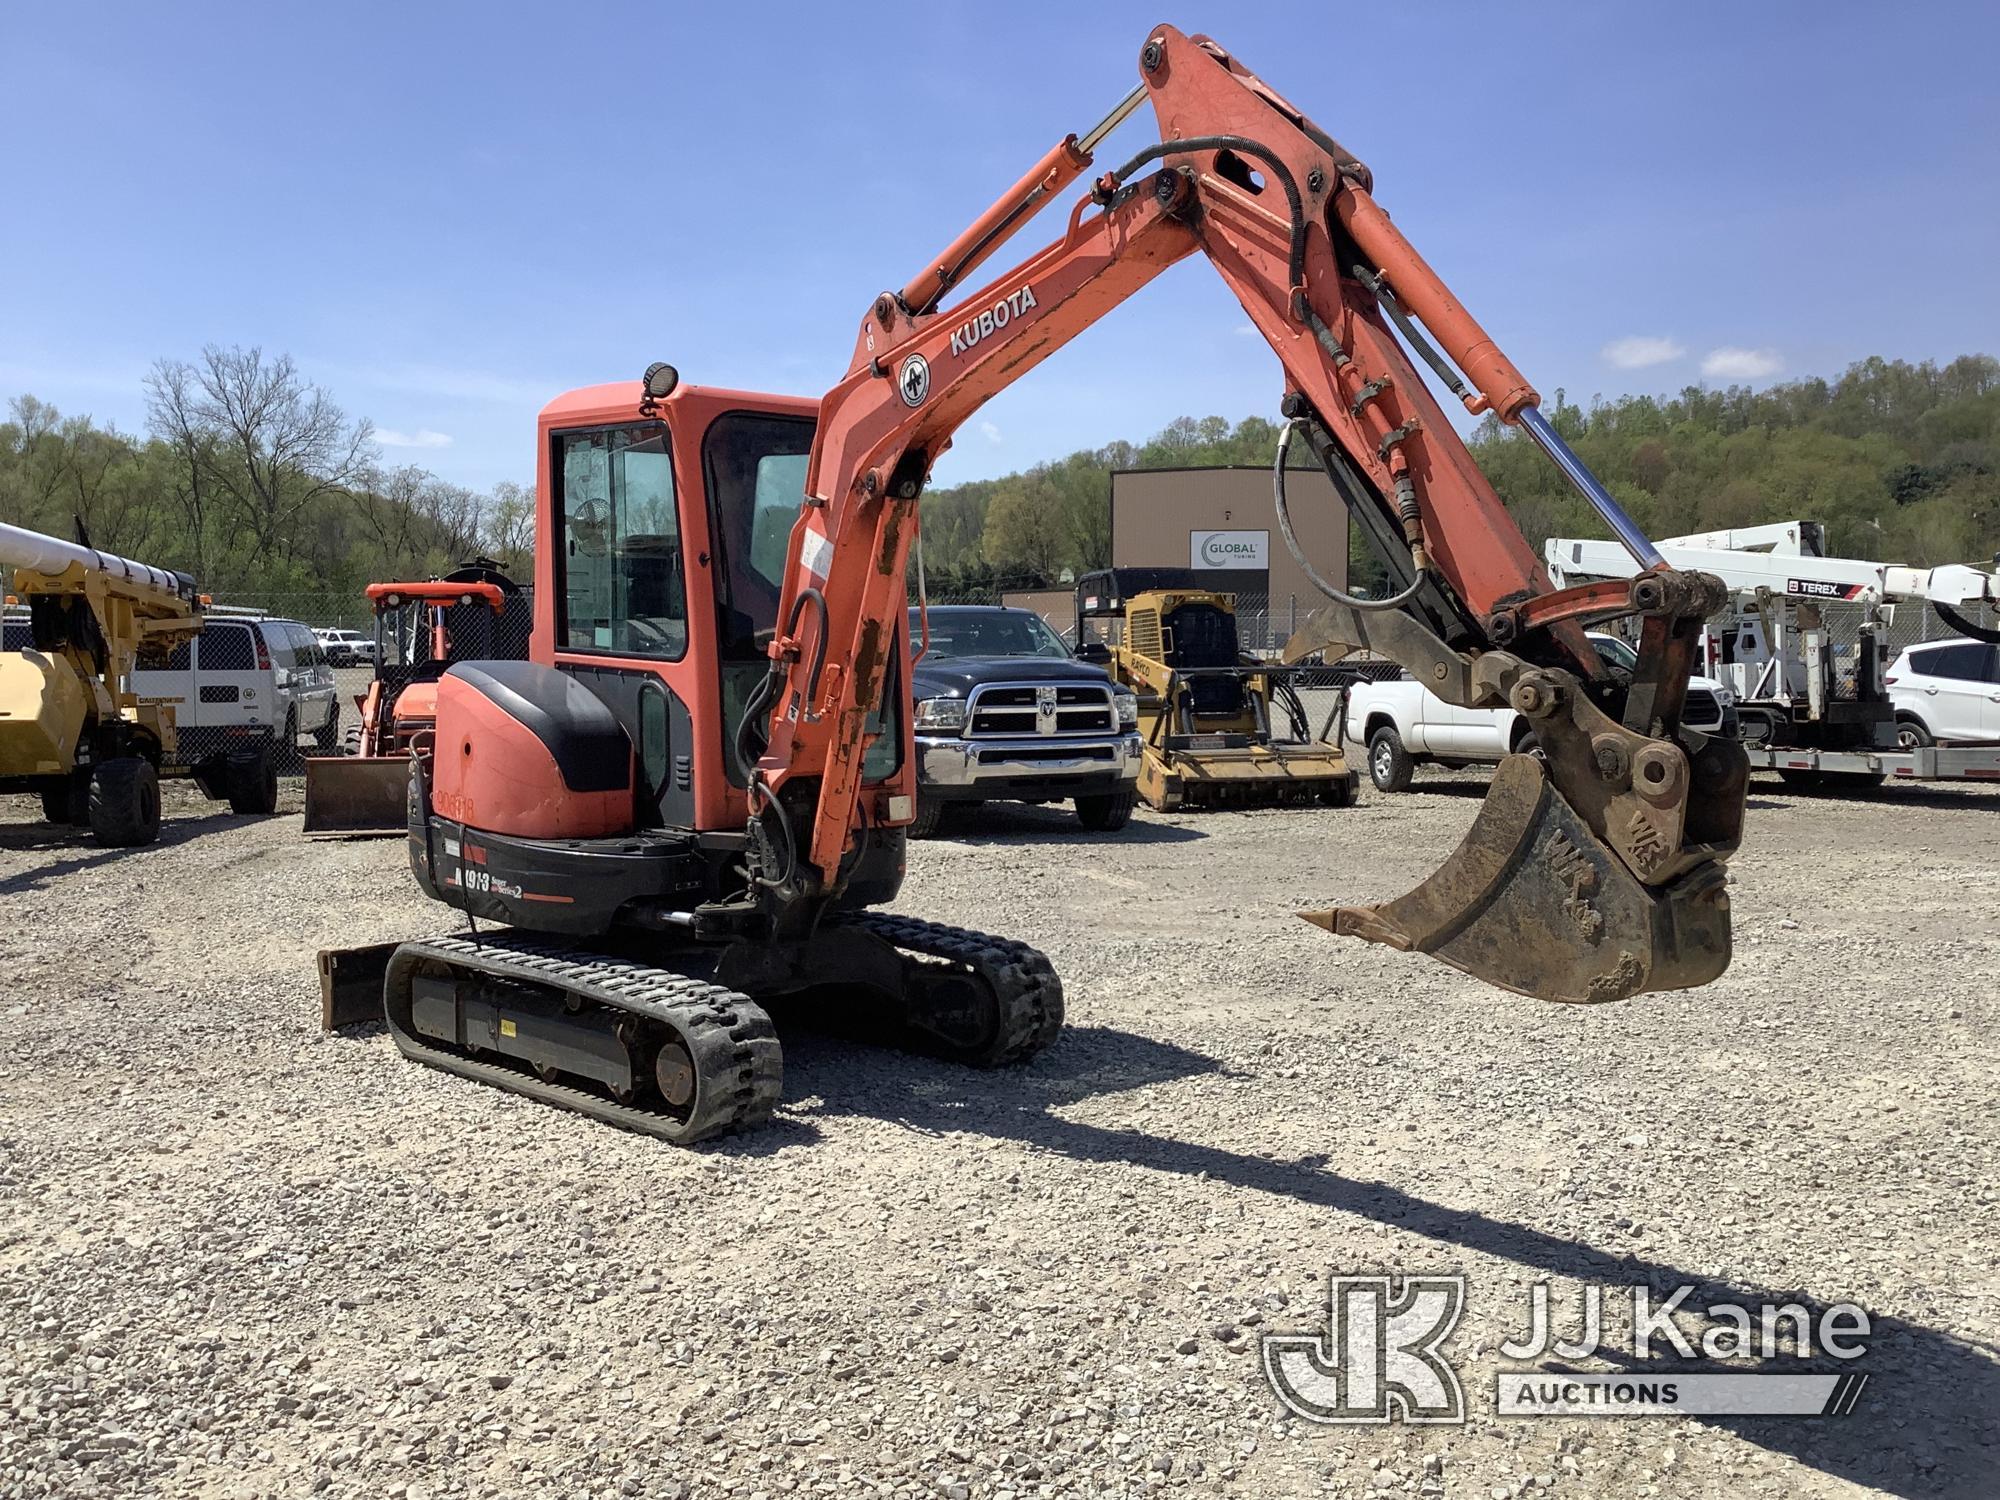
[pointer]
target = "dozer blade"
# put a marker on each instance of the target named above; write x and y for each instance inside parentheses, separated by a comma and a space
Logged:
(1534, 902)
(350, 985)
(357, 796)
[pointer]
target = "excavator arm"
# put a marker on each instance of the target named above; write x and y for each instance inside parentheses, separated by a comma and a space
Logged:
(1591, 874)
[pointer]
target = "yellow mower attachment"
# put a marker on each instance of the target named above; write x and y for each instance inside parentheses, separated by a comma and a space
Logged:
(1208, 714)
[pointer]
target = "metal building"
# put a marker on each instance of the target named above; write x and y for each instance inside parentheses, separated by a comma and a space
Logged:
(1221, 521)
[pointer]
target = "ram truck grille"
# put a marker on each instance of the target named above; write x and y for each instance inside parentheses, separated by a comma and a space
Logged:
(1052, 709)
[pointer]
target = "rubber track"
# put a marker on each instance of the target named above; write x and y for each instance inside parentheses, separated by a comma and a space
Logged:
(738, 1065)
(1029, 992)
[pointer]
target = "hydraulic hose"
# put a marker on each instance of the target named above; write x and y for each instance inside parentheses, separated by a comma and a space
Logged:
(1440, 366)
(1965, 626)
(1246, 147)
(1394, 601)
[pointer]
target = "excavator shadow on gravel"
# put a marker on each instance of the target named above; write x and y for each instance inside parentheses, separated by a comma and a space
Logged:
(692, 798)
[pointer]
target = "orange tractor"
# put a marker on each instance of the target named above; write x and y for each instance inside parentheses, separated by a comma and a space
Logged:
(693, 797)
(420, 630)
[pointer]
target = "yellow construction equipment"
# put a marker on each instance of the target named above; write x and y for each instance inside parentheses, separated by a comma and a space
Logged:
(71, 727)
(1206, 710)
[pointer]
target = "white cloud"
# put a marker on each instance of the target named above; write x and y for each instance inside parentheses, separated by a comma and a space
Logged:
(1248, 330)
(423, 437)
(1641, 350)
(1741, 364)
(992, 432)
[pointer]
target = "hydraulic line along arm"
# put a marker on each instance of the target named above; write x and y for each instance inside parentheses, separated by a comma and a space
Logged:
(1591, 875)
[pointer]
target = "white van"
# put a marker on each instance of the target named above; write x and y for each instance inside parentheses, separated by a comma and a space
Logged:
(1945, 690)
(243, 678)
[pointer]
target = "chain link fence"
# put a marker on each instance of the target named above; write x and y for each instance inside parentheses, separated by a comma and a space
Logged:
(1263, 622)
(347, 609)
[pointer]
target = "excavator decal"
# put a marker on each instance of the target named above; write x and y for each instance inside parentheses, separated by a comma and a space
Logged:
(992, 320)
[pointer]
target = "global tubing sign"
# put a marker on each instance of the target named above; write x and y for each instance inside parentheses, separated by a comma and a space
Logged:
(1232, 550)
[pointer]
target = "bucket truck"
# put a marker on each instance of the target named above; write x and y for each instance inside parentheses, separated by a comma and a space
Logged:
(72, 729)
(1814, 708)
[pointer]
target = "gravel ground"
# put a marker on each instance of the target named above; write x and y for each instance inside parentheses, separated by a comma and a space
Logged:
(238, 1257)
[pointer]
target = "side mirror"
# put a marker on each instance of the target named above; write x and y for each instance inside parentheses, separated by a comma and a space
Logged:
(1095, 652)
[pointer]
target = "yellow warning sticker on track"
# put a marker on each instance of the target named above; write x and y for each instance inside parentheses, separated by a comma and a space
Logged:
(507, 1028)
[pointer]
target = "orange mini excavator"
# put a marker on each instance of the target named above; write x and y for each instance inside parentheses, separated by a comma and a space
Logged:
(689, 798)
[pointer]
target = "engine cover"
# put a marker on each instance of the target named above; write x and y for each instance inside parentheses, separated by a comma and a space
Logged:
(523, 749)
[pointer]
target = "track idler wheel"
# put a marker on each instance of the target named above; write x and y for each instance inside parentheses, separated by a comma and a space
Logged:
(673, 1075)
(1534, 902)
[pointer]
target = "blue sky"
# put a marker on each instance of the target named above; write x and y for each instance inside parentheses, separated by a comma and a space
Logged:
(448, 213)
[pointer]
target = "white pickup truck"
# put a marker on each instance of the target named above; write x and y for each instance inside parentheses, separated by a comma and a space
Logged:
(1401, 724)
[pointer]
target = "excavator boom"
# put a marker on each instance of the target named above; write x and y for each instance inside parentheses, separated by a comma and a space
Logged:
(1592, 874)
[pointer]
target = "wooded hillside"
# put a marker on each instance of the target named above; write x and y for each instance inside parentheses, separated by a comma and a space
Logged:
(252, 479)
(255, 480)
(1901, 461)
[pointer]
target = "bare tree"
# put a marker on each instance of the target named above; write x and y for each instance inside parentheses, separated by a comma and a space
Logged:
(172, 415)
(418, 521)
(262, 443)
(510, 527)
(386, 500)
(454, 515)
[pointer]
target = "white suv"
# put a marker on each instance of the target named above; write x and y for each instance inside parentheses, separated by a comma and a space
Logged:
(1401, 723)
(1945, 690)
(244, 678)
(346, 648)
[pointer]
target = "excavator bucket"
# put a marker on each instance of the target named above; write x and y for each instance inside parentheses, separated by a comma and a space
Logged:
(1534, 902)
(357, 796)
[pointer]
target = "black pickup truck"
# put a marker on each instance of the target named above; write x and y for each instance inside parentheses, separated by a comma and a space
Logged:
(1004, 713)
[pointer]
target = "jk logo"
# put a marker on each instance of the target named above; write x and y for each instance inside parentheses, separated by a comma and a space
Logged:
(1378, 1360)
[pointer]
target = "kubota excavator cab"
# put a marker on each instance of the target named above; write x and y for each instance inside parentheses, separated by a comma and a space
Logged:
(661, 545)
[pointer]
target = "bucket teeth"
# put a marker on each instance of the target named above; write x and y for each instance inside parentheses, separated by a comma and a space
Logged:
(1534, 902)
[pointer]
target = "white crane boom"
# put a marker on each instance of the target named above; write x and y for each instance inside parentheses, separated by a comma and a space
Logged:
(1741, 561)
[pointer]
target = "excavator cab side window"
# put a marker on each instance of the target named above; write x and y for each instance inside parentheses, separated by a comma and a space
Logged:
(619, 566)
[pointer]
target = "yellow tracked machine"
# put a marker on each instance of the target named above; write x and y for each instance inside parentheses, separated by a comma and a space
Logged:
(1206, 710)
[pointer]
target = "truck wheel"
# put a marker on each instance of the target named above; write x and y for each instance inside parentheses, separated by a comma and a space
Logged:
(252, 780)
(288, 756)
(326, 739)
(124, 802)
(68, 801)
(1911, 735)
(1108, 813)
(1389, 764)
(930, 816)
